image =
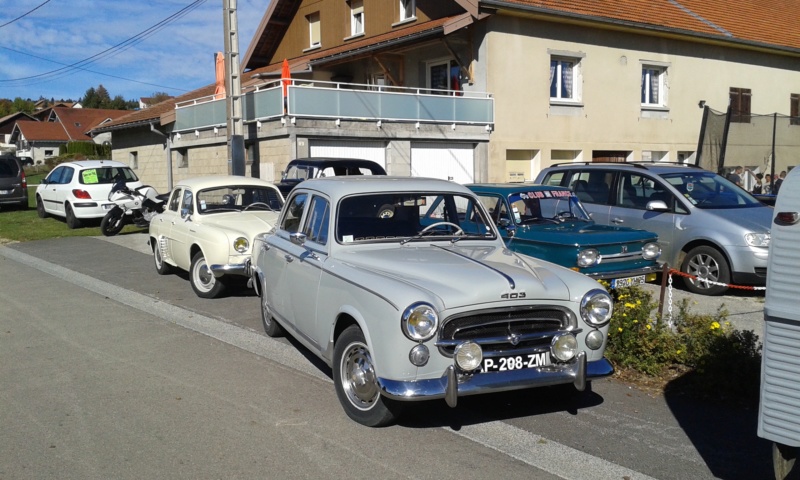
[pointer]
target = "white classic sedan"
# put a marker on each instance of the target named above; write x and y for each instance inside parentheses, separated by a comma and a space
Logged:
(208, 228)
(406, 289)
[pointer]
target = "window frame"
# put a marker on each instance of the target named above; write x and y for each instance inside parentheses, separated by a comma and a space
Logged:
(557, 76)
(357, 18)
(408, 10)
(740, 103)
(645, 96)
(314, 33)
(794, 109)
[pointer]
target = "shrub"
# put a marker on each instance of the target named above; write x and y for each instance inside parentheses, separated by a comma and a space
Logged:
(721, 362)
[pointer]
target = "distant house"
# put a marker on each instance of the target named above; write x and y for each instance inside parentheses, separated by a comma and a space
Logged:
(58, 125)
(477, 90)
(7, 126)
(146, 102)
(42, 104)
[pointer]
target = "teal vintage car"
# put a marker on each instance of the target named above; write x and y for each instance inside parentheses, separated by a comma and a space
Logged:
(550, 223)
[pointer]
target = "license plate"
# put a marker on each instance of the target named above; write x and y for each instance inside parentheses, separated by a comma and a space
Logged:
(627, 282)
(516, 362)
(4, 192)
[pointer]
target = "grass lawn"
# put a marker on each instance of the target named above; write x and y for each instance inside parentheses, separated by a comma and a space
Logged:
(25, 225)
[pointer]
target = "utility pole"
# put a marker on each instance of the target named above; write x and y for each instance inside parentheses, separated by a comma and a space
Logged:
(233, 86)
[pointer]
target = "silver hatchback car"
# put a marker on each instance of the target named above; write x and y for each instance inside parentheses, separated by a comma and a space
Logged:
(707, 226)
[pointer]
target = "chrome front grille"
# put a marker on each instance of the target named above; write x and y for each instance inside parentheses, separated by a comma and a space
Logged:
(504, 329)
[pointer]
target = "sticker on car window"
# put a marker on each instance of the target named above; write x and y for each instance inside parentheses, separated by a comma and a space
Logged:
(89, 176)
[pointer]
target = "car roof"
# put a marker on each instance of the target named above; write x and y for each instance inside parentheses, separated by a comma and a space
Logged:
(355, 184)
(322, 162)
(509, 188)
(655, 167)
(94, 163)
(208, 181)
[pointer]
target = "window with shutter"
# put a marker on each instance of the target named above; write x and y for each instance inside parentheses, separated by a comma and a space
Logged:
(740, 104)
(794, 109)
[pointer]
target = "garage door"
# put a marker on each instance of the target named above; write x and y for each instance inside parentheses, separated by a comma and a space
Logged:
(448, 161)
(375, 151)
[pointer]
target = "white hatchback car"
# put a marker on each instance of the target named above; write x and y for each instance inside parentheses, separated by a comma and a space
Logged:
(79, 190)
(208, 227)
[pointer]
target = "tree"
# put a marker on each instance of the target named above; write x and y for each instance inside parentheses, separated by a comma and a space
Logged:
(158, 97)
(20, 105)
(103, 98)
(118, 103)
(90, 98)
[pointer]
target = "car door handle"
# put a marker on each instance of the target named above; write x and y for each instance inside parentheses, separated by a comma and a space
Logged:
(289, 258)
(618, 220)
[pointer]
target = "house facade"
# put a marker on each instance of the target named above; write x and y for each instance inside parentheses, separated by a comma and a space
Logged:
(478, 90)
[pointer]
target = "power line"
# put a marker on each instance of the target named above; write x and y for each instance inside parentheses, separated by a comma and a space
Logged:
(26, 13)
(113, 50)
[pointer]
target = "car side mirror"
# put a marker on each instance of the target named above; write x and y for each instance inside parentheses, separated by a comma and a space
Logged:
(657, 205)
(509, 227)
(298, 238)
(186, 214)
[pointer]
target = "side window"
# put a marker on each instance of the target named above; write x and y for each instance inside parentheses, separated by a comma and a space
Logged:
(66, 176)
(554, 179)
(186, 203)
(316, 228)
(592, 186)
(494, 205)
(55, 175)
(294, 212)
(634, 191)
(175, 200)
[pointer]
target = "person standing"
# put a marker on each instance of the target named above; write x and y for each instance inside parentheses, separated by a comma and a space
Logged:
(759, 185)
(767, 186)
(778, 182)
(736, 175)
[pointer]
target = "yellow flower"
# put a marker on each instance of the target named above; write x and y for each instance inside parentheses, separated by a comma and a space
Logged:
(621, 297)
(620, 329)
(624, 314)
(649, 327)
(638, 302)
(629, 305)
(714, 325)
(679, 352)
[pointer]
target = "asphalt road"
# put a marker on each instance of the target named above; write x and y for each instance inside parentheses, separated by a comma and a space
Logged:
(111, 371)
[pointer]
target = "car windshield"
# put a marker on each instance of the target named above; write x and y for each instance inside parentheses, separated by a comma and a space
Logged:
(105, 175)
(299, 172)
(406, 216)
(237, 198)
(709, 190)
(545, 206)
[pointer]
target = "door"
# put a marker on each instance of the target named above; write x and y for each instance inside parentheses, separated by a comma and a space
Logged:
(55, 193)
(181, 229)
(375, 151)
(448, 161)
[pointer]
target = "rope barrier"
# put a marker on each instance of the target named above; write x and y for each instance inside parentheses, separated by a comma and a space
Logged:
(694, 277)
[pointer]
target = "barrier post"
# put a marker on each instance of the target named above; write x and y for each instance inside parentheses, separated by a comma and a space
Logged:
(664, 277)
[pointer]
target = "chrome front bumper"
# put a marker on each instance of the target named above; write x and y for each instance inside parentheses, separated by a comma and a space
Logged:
(242, 269)
(452, 385)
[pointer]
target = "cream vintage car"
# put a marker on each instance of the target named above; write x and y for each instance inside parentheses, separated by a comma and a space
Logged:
(208, 227)
(408, 297)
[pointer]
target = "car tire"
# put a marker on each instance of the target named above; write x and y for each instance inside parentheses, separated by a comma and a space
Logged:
(271, 326)
(204, 283)
(40, 211)
(356, 383)
(72, 221)
(706, 263)
(162, 267)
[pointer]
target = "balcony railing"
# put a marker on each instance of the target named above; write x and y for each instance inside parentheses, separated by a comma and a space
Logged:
(342, 101)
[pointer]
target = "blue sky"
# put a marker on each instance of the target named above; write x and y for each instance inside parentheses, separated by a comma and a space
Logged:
(36, 50)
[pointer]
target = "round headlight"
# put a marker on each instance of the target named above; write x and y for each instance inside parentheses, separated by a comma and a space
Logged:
(564, 347)
(651, 251)
(596, 307)
(241, 244)
(468, 355)
(588, 257)
(419, 355)
(420, 322)
(594, 340)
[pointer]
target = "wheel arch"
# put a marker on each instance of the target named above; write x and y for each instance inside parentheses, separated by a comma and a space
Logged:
(701, 242)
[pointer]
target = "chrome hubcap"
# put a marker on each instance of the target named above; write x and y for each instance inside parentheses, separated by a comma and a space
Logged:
(705, 268)
(358, 377)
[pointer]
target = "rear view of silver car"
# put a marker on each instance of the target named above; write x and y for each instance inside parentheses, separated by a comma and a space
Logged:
(709, 228)
(779, 410)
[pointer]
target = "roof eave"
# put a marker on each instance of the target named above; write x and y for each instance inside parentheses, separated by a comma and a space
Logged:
(560, 16)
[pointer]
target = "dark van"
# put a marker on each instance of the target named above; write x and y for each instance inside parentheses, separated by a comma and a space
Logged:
(13, 184)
